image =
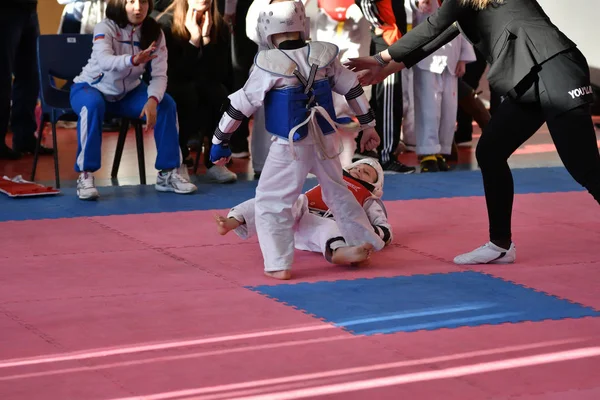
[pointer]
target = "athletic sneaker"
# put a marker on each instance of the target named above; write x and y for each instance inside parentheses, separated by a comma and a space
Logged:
(241, 154)
(489, 253)
(396, 167)
(86, 188)
(429, 164)
(221, 174)
(172, 181)
(442, 163)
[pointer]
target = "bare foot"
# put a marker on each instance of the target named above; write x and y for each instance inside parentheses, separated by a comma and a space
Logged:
(352, 254)
(284, 274)
(224, 225)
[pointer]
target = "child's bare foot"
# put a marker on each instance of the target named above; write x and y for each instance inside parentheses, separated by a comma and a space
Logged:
(284, 274)
(352, 254)
(224, 225)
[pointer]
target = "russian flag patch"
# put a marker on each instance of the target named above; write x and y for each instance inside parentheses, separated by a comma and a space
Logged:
(99, 36)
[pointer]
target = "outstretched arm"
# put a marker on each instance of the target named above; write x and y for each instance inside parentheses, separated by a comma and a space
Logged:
(347, 84)
(420, 42)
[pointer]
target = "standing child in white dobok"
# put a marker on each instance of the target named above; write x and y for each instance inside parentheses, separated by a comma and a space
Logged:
(435, 93)
(295, 81)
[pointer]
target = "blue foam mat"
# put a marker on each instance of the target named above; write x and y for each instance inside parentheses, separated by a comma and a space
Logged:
(138, 199)
(422, 302)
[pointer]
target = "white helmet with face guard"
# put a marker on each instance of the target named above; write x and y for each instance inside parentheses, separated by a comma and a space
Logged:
(378, 192)
(282, 17)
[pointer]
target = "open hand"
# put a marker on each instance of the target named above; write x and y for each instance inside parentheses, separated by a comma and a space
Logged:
(145, 55)
(149, 111)
(367, 78)
(207, 23)
(369, 140)
(191, 24)
(363, 63)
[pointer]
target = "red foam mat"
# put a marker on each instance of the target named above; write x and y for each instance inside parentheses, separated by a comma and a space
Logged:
(60, 236)
(511, 359)
(579, 283)
(153, 307)
(74, 276)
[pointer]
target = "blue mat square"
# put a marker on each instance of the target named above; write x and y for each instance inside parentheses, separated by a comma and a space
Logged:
(422, 302)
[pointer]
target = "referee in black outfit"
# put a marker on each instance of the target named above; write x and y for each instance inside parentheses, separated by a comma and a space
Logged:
(545, 78)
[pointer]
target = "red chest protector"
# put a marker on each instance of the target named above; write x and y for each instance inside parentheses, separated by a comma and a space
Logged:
(315, 197)
(336, 9)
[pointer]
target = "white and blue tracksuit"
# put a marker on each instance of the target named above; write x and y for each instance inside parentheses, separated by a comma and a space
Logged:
(111, 83)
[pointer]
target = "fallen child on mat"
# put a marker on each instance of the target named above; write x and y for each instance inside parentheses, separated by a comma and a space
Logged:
(315, 228)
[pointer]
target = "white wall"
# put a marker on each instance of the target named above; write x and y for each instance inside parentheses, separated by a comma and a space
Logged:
(580, 21)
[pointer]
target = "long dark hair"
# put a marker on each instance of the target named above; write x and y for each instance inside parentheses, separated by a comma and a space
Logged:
(179, 9)
(150, 30)
(479, 4)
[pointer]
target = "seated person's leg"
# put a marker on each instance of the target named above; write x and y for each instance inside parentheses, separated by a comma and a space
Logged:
(168, 158)
(88, 103)
(186, 98)
(211, 98)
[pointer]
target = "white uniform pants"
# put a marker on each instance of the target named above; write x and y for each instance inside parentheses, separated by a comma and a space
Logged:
(311, 232)
(260, 141)
(281, 184)
(408, 120)
(436, 103)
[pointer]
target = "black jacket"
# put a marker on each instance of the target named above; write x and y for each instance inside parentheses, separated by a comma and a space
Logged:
(188, 64)
(515, 36)
(20, 4)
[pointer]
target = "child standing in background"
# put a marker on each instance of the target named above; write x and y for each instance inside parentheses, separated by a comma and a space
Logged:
(435, 93)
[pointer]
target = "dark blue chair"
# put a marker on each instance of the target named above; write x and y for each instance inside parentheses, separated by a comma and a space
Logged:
(63, 57)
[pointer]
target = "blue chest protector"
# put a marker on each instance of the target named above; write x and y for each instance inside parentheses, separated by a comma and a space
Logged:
(287, 107)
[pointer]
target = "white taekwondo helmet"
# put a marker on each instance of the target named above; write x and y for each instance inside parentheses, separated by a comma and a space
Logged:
(285, 16)
(378, 192)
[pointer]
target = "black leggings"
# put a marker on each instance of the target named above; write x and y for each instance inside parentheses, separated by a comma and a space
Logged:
(511, 125)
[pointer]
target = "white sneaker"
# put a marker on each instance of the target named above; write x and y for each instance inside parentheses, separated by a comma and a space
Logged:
(172, 181)
(183, 171)
(86, 188)
(489, 253)
(221, 174)
(242, 154)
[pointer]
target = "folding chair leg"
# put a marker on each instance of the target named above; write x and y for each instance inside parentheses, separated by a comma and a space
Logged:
(55, 145)
(38, 145)
(139, 141)
(197, 161)
(120, 146)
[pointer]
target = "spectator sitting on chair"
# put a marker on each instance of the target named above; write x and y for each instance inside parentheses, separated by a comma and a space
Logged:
(111, 82)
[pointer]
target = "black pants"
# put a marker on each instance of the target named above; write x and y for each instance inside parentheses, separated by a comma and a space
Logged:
(386, 101)
(516, 120)
(474, 71)
(198, 110)
(244, 51)
(400, 15)
(19, 30)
